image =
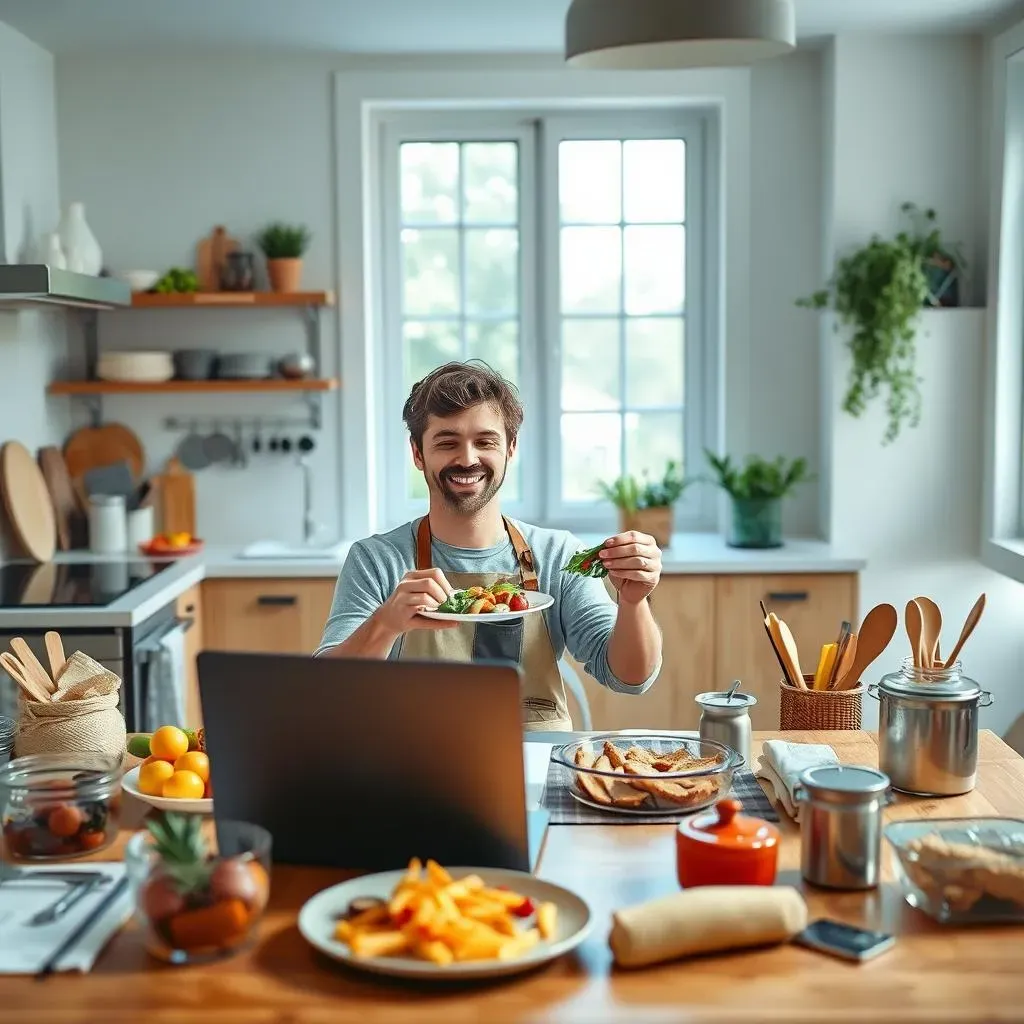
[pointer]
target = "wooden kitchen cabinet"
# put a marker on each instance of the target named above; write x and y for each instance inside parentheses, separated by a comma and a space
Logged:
(813, 606)
(189, 608)
(272, 615)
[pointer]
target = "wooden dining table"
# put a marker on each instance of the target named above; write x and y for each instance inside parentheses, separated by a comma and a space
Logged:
(933, 973)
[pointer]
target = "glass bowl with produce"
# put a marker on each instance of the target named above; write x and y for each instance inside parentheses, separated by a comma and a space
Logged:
(200, 888)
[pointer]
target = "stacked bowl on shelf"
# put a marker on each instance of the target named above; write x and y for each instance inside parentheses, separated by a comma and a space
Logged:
(137, 367)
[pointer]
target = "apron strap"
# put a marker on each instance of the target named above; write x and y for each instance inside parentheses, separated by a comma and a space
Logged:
(524, 556)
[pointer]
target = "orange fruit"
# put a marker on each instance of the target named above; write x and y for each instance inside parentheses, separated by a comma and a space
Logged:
(184, 785)
(153, 775)
(194, 761)
(168, 743)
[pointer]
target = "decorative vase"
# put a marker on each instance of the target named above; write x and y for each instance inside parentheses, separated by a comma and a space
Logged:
(285, 274)
(655, 522)
(53, 252)
(81, 250)
(756, 523)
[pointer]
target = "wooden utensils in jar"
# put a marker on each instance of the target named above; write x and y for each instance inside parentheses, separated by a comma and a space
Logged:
(923, 621)
(71, 678)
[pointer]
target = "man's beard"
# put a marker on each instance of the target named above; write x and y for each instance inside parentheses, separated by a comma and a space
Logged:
(463, 503)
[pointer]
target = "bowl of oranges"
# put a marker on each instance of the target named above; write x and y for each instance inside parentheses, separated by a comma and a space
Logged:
(175, 772)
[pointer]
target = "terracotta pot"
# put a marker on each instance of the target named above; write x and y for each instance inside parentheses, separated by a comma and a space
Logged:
(285, 275)
(724, 847)
(655, 522)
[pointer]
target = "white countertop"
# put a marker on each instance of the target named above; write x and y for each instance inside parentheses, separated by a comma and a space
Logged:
(696, 554)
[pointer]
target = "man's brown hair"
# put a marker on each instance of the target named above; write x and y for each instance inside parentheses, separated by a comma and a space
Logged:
(456, 387)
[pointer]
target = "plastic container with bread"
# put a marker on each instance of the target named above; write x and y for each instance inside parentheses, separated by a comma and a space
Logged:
(710, 919)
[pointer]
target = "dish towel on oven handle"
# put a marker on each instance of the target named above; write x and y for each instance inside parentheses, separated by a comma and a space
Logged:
(783, 763)
(165, 689)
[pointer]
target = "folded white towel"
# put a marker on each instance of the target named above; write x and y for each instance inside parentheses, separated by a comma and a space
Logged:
(782, 764)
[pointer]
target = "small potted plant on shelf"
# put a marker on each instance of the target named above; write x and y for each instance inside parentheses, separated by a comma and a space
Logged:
(756, 490)
(647, 505)
(283, 246)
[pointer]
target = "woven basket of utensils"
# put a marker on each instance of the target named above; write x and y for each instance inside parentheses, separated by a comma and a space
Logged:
(819, 709)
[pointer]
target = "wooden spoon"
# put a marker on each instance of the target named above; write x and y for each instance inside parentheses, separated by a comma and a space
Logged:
(972, 620)
(844, 660)
(55, 652)
(16, 671)
(877, 629)
(915, 625)
(33, 667)
(931, 626)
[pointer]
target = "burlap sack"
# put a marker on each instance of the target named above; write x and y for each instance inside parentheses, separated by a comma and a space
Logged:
(93, 725)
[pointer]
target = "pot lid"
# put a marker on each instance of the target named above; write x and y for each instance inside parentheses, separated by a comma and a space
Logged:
(844, 783)
(925, 683)
(718, 700)
(723, 826)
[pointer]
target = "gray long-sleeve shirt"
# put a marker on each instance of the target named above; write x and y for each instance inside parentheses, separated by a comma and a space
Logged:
(580, 620)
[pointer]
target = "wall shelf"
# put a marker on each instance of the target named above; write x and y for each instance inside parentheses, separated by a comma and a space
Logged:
(118, 387)
(229, 300)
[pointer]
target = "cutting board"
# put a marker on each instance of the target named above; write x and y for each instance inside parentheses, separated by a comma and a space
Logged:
(72, 531)
(211, 255)
(92, 447)
(27, 502)
(176, 488)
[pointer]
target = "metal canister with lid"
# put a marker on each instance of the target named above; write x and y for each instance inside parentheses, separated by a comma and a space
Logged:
(725, 718)
(841, 825)
(928, 729)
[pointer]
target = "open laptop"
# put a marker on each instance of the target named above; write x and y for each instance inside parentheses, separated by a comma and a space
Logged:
(364, 764)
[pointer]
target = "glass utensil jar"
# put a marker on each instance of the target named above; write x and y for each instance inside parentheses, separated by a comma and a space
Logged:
(928, 729)
(841, 825)
(726, 720)
(8, 729)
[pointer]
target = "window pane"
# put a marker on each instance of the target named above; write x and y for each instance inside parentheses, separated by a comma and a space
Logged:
(492, 271)
(654, 179)
(491, 182)
(655, 269)
(431, 259)
(590, 182)
(591, 451)
(428, 345)
(654, 362)
(653, 439)
(511, 489)
(497, 344)
(590, 364)
(591, 266)
(429, 182)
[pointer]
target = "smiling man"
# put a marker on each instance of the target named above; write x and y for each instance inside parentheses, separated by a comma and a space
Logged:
(463, 421)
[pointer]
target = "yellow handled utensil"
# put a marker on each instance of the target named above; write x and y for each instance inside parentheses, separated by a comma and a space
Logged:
(826, 663)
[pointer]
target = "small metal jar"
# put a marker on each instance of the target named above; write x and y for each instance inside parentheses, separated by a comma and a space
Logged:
(727, 721)
(841, 825)
(928, 729)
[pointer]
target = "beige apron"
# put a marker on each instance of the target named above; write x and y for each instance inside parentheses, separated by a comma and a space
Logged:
(525, 641)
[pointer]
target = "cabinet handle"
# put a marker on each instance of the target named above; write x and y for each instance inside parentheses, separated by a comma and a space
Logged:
(782, 596)
(276, 599)
(190, 609)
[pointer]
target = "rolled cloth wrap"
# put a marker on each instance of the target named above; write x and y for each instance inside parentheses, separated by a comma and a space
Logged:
(705, 920)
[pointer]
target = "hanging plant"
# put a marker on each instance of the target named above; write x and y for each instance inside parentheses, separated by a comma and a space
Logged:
(877, 293)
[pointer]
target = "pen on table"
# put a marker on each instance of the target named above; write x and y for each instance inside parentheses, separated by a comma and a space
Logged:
(84, 925)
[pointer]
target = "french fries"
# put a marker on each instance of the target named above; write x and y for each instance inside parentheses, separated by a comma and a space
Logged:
(432, 916)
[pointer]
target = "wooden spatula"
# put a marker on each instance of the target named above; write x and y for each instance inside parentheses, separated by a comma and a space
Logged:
(771, 640)
(931, 626)
(55, 653)
(972, 620)
(914, 620)
(787, 650)
(16, 671)
(33, 666)
(877, 629)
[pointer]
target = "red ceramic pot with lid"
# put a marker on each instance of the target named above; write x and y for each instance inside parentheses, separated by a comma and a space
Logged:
(724, 847)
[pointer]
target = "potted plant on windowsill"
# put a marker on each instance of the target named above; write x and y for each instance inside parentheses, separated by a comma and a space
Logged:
(283, 246)
(647, 505)
(756, 490)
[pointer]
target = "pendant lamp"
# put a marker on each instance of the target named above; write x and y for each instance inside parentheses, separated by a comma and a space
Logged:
(666, 34)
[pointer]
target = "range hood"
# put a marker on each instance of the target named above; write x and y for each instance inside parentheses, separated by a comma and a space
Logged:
(34, 284)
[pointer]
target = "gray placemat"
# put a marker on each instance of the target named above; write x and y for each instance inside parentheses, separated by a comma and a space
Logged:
(567, 810)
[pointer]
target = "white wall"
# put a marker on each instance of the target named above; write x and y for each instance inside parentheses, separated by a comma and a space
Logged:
(32, 344)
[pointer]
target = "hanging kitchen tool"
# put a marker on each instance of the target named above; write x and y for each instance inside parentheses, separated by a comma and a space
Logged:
(177, 496)
(239, 457)
(218, 446)
(931, 626)
(973, 616)
(90, 447)
(211, 257)
(191, 450)
(67, 509)
(876, 631)
(27, 502)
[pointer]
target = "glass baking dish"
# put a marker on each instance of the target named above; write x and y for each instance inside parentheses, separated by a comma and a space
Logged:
(647, 773)
(961, 870)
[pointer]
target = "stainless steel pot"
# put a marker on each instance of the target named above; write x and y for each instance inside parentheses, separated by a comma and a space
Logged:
(928, 729)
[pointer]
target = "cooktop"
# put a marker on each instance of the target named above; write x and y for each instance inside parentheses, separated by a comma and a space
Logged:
(66, 584)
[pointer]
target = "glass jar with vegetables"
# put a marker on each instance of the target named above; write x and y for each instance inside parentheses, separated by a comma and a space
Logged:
(200, 889)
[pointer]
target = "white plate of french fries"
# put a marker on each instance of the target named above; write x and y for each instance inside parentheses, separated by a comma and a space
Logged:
(431, 922)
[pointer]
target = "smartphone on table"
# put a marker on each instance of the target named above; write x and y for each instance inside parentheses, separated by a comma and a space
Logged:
(845, 940)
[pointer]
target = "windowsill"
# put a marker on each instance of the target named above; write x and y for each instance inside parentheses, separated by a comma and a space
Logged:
(1005, 556)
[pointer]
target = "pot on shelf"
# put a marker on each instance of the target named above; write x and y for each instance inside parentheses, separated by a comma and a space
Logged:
(285, 274)
(655, 522)
(755, 523)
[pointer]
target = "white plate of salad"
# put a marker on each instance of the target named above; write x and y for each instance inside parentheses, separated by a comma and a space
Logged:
(503, 601)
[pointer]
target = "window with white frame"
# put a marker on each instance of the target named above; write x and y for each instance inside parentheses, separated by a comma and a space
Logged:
(569, 253)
